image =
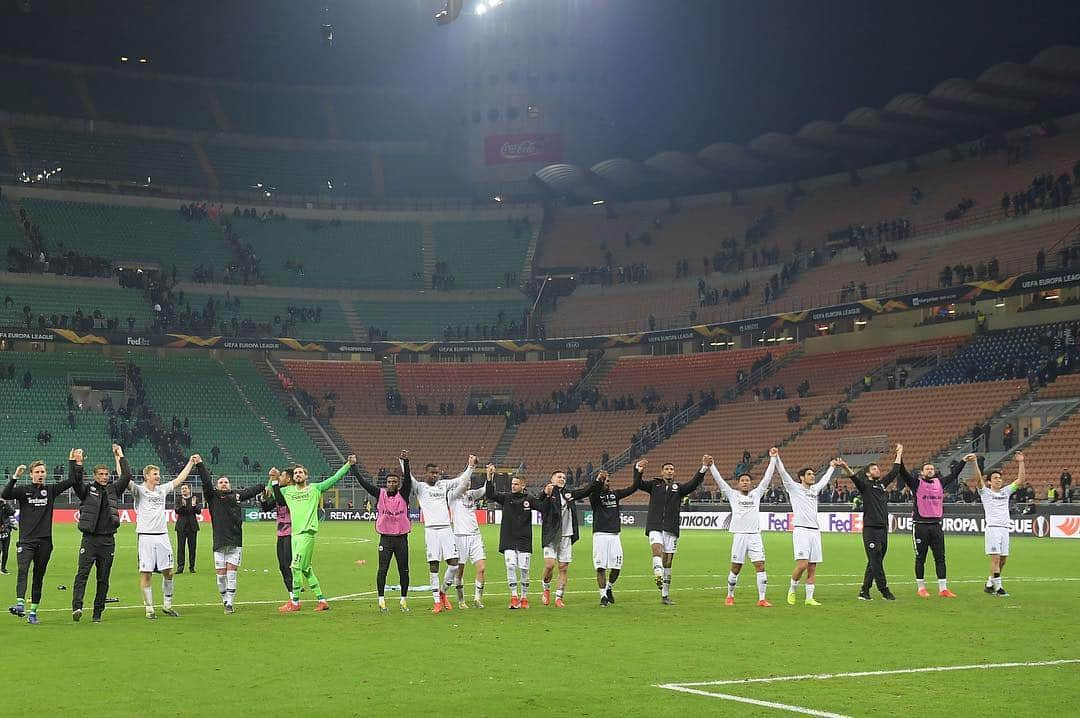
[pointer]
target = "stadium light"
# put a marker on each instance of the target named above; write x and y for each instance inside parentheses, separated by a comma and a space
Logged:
(449, 13)
(597, 201)
(1052, 297)
(144, 60)
(481, 8)
(1000, 303)
(124, 58)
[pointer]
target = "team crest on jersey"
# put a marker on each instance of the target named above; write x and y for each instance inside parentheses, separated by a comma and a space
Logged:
(567, 496)
(524, 504)
(44, 492)
(674, 487)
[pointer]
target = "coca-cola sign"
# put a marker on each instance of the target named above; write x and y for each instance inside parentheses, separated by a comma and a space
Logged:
(531, 147)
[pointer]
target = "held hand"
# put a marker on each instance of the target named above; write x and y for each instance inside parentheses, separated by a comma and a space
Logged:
(970, 457)
(706, 460)
(641, 465)
(548, 489)
(899, 449)
(1019, 456)
(77, 456)
(404, 455)
(473, 461)
(20, 470)
(490, 471)
(603, 476)
(196, 459)
(774, 452)
(117, 451)
(351, 459)
(833, 464)
(274, 473)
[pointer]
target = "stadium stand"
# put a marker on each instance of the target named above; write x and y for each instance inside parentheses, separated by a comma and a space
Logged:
(37, 89)
(135, 234)
(368, 255)
(436, 383)
(358, 385)
(274, 313)
(63, 301)
(127, 160)
(274, 111)
(420, 175)
(308, 171)
(420, 321)
(479, 254)
(1006, 354)
(160, 101)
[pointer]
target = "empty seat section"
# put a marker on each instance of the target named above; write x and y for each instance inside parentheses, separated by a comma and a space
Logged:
(64, 300)
(435, 439)
(160, 101)
(275, 111)
(380, 114)
(1051, 454)
(423, 175)
(358, 255)
(359, 385)
(39, 90)
(1066, 387)
(291, 171)
(526, 382)
(426, 321)
(479, 254)
(997, 355)
(130, 161)
(138, 234)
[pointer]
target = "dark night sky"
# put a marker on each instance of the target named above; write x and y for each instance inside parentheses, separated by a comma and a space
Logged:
(696, 71)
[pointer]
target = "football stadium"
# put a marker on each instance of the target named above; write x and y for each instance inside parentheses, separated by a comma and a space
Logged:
(738, 341)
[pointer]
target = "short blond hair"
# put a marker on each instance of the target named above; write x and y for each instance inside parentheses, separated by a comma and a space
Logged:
(148, 468)
(36, 463)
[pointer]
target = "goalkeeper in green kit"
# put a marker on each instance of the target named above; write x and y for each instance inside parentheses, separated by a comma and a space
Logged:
(304, 500)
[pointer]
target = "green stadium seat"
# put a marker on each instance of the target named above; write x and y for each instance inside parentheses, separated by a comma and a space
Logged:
(291, 171)
(423, 175)
(64, 298)
(419, 321)
(274, 111)
(156, 101)
(39, 90)
(263, 310)
(479, 254)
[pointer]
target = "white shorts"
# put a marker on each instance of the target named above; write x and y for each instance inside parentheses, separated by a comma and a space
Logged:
(606, 551)
(563, 552)
(997, 541)
(470, 548)
(228, 555)
(668, 541)
(743, 544)
(440, 543)
(155, 553)
(807, 544)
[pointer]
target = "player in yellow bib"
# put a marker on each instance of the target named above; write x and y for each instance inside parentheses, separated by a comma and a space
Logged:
(304, 500)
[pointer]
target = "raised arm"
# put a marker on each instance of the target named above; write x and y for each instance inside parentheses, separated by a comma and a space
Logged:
(821, 483)
(250, 492)
(639, 481)
(328, 484)
(368, 486)
(406, 471)
(692, 485)
(489, 487)
(621, 494)
(9, 487)
(785, 478)
(980, 480)
(184, 473)
(75, 468)
(204, 477)
(770, 470)
(1020, 475)
(461, 483)
(75, 474)
(725, 489)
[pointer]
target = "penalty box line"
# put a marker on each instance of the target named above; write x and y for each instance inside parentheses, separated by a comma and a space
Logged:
(694, 688)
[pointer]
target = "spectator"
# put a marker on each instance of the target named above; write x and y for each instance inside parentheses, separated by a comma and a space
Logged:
(1007, 437)
(1051, 493)
(215, 454)
(976, 437)
(1066, 482)
(27, 380)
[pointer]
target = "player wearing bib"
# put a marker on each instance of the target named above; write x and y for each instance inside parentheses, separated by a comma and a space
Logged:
(268, 503)
(607, 527)
(745, 528)
(470, 545)
(434, 496)
(806, 535)
(928, 496)
(152, 529)
(662, 522)
(227, 520)
(558, 507)
(393, 526)
(995, 500)
(303, 500)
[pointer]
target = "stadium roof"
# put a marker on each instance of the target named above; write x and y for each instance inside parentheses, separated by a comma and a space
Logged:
(1005, 96)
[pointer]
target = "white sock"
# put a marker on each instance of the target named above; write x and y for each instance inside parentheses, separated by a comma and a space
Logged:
(221, 586)
(448, 579)
(603, 593)
(657, 566)
(795, 585)
(989, 581)
(511, 576)
(382, 602)
(997, 582)
(166, 590)
(608, 586)
(762, 583)
(479, 591)
(524, 561)
(809, 591)
(559, 591)
(666, 588)
(433, 578)
(148, 599)
(942, 584)
(732, 579)
(230, 587)
(921, 583)
(546, 585)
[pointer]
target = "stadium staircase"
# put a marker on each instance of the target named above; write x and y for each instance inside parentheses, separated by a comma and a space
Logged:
(498, 456)
(329, 443)
(352, 320)
(254, 410)
(427, 249)
(206, 165)
(595, 375)
(10, 148)
(530, 253)
(390, 378)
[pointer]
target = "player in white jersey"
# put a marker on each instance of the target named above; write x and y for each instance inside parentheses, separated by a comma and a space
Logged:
(745, 528)
(995, 501)
(433, 494)
(151, 526)
(467, 537)
(806, 534)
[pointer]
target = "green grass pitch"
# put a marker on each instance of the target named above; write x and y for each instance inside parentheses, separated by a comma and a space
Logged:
(581, 660)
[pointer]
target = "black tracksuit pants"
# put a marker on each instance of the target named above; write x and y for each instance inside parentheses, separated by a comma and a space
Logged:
(36, 553)
(398, 548)
(876, 544)
(929, 537)
(188, 539)
(5, 544)
(95, 550)
(284, 560)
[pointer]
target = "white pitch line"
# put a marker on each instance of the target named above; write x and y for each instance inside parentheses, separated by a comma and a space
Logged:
(893, 672)
(754, 701)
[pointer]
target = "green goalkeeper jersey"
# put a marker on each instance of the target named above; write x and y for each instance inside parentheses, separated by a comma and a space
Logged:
(304, 502)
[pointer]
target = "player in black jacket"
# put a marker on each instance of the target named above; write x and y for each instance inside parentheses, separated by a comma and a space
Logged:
(607, 525)
(515, 535)
(873, 487)
(99, 519)
(188, 510)
(227, 520)
(34, 546)
(558, 507)
(6, 527)
(662, 524)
